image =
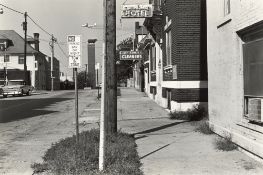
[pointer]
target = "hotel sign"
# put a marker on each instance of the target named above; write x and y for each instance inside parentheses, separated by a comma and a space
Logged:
(130, 55)
(137, 11)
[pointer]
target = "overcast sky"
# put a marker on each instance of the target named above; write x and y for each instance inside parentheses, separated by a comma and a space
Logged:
(62, 18)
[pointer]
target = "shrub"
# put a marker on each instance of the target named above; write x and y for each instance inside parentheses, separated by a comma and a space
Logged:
(65, 157)
(195, 114)
(225, 144)
(204, 128)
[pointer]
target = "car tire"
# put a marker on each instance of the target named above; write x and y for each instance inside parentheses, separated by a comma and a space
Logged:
(22, 92)
(5, 96)
(28, 93)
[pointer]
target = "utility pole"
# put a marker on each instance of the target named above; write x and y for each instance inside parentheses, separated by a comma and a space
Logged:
(85, 85)
(25, 47)
(110, 67)
(53, 40)
(108, 122)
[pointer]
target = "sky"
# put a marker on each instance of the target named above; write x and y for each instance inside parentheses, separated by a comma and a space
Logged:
(65, 17)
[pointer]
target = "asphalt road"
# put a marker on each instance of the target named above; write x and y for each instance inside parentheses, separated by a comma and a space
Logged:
(17, 108)
(29, 126)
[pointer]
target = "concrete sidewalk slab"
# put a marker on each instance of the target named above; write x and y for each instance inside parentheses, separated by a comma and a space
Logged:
(172, 147)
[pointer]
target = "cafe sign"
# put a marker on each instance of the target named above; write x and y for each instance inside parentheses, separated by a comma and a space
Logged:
(130, 55)
(136, 11)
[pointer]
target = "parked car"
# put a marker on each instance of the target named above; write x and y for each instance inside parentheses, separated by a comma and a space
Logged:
(1, 89)
(16, 88)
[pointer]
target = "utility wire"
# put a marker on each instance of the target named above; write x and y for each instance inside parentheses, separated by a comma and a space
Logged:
(124, 2)
(28, 17)
(12, 9)
(39, 26)
(64, 53)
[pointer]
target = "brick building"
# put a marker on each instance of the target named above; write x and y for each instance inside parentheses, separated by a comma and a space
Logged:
(176, 49)
(235, 42)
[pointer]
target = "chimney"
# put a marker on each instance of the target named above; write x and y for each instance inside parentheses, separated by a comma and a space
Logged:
(36, 38)
(91, 63)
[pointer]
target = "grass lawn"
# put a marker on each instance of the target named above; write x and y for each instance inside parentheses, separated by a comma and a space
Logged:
(65, 157)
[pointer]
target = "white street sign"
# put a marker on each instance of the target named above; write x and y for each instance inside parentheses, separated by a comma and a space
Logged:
(97, 66)
(137, 11)
(74, 51)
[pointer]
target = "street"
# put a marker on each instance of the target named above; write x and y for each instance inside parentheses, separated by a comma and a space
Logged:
(30, 124)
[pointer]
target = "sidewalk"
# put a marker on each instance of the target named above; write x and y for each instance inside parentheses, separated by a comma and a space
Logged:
(172, 147)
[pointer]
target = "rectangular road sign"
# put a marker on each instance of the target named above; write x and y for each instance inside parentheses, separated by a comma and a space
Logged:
(74, 51)
(130, 55)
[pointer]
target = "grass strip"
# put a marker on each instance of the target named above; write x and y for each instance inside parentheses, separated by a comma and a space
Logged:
(65, 157)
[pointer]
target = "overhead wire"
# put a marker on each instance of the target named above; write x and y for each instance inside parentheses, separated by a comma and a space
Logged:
(39, 26)
(12, 9)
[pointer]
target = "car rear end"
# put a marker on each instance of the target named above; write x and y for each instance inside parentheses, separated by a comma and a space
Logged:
(11, 90)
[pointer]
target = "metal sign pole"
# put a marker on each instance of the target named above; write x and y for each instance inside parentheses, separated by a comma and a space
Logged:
(74, 49)
(76, 105)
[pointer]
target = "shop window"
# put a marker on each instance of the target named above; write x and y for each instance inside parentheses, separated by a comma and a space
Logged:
(168, 47)
(253, 69)
(153, 54)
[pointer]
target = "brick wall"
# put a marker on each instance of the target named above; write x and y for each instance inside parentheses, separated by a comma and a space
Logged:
(187, 95)
(188, 38)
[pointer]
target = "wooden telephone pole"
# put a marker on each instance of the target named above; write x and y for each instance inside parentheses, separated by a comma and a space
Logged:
(108, 122)
(110, 100)
(25, 49)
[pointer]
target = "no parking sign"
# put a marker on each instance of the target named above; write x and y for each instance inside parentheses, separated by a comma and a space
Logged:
(74, 50)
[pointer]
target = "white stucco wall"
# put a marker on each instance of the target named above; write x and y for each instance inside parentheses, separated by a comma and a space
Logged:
(225, 69)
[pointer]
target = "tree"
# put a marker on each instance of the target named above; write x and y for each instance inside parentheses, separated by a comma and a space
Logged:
(81, 80)
(124, 68)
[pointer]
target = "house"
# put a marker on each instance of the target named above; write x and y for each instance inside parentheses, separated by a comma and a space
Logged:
(234, 50)
(12, 61)
(176, 68)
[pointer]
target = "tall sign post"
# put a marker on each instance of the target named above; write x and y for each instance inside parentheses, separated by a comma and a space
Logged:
(97, 67)
(74, 50)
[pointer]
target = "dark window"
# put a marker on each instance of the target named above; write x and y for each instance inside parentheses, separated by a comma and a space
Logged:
(6, 58)
(21, 60)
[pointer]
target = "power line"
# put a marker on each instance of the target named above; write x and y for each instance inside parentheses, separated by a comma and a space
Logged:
(12, 9)
(39, 26)
(28, 17)
(64, 53)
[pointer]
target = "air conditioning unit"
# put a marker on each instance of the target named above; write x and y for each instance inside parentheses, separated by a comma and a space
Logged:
(255, 109)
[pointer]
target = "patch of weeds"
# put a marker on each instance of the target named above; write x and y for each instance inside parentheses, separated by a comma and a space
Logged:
(225, 144)
(249, 166)
(204, 128)
(65, 157)
(195, 114)
(39, 168)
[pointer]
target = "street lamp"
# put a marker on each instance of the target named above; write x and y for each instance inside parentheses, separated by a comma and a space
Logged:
(88, 26)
